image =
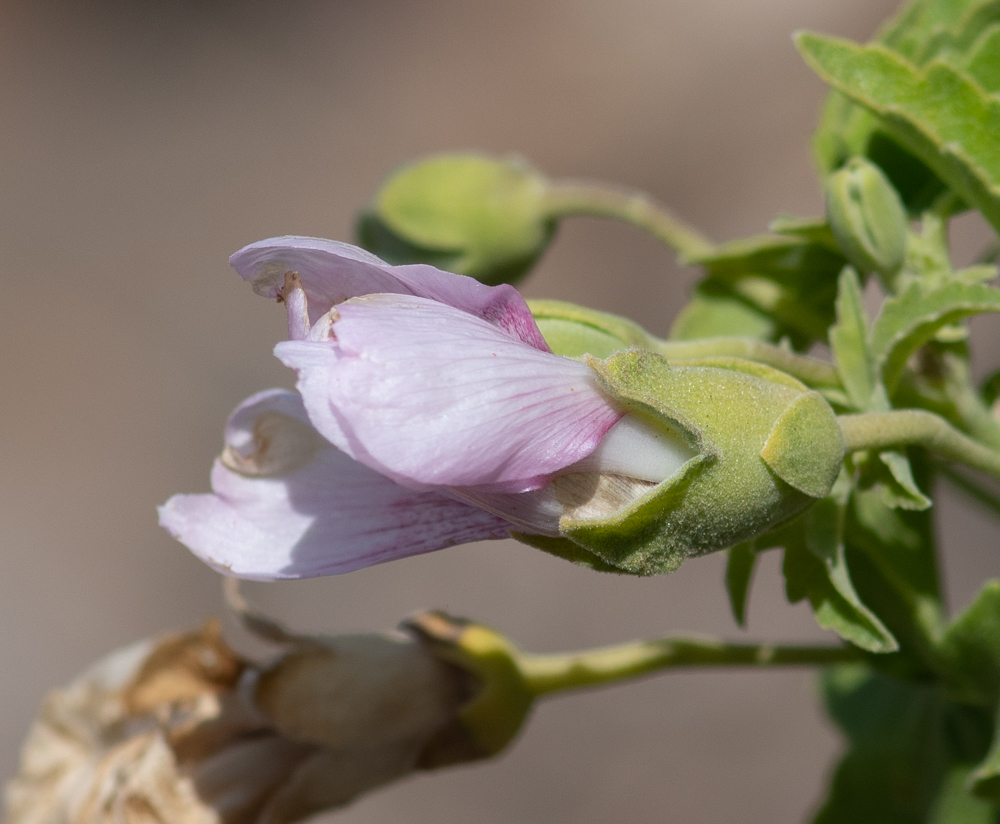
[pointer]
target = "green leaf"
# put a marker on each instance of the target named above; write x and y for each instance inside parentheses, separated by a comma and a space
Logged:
(983, 61)
(814, 568)
(938, 113)
(714, 311)
(909, 752)
(739, 572)
(969, 653)
(984, 781)
(849, 341)
(824, 537)
(893, 563)
(909, 320)
(789, 278)
(926, 28)
(890, 474)
(812, 229)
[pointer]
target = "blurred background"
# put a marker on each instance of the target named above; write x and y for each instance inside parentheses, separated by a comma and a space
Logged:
(142, 143)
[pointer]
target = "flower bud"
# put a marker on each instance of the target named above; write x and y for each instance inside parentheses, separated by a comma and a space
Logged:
(867, 217)
(183, 729)
(469, 214)
(763, 447)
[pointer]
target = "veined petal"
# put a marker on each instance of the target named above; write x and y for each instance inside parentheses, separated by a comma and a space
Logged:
(287, 504)
(432, 396)
(333, 272)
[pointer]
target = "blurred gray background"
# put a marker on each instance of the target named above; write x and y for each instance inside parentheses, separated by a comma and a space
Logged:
(142, 143)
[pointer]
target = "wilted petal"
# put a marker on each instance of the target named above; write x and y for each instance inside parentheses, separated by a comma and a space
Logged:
(287, 504)
(430, 395)
(332, 272)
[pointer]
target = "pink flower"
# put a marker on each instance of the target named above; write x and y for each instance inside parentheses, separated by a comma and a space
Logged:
(430, 413)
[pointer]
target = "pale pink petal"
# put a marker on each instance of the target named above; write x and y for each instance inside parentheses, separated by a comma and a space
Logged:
(332, 272)
(301, 508)
(432, 396)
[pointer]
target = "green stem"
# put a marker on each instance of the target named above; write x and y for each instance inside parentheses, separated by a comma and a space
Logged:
(547, 674)
(567, 199)
(915, 427)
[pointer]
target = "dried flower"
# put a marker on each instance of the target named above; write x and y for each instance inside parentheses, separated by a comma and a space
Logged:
(184, 730)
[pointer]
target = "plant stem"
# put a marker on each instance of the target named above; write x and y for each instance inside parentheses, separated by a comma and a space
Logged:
(575, 670)
(596, 200)
(906, 427)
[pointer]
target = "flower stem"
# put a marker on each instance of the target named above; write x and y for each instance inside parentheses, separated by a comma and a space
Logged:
(565, 199)
(547, 674)
(915, 427)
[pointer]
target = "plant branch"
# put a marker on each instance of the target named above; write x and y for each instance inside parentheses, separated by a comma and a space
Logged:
(595, 200)
(916, 427)
(576, 670)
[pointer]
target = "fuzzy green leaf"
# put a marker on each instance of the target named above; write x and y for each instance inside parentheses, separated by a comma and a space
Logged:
(909, 320)
(890, 474)
(717, 312)
(939, 113)
(789, 278)
(814, 568)
(910, 752)
(849, 341)
(970, 650)
(983, 60)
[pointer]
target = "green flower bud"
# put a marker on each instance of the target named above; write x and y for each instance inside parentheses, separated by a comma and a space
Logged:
(470, 214)
(764, 448)
(867, 217)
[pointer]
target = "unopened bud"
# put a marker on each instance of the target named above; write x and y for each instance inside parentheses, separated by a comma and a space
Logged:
(762, 448)
(470, 214)
(867, 217)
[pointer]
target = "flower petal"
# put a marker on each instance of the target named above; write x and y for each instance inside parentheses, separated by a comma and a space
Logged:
(332, 272)
(287, 504)
(432, 396)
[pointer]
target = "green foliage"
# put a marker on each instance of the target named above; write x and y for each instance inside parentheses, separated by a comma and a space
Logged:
(849, 341)
(815, 567)
(939, 114)
(789, 280)
(909, 320)
(910, 750)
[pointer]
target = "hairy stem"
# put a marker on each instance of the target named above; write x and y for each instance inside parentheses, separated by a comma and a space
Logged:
(575, 670)
(915, 427)
(595, 200)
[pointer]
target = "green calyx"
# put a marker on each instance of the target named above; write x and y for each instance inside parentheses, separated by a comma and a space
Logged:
(467, 213)
(764, 448)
